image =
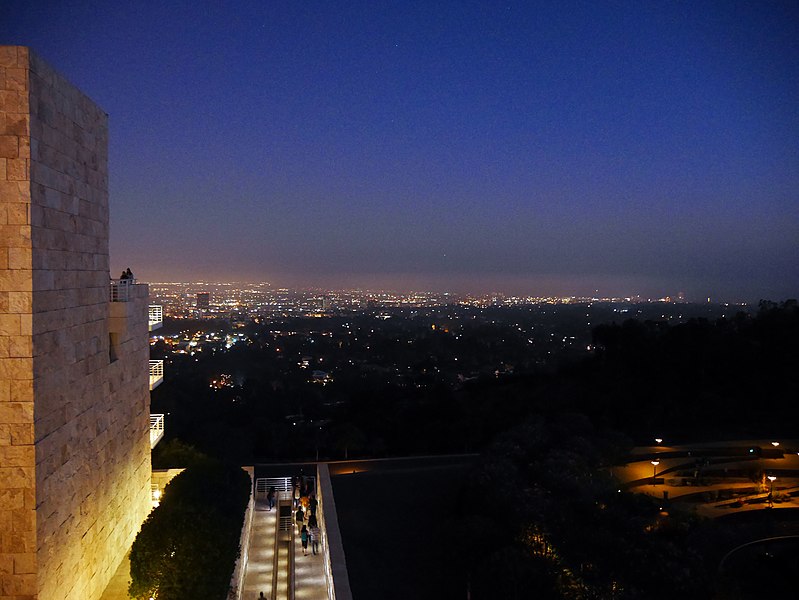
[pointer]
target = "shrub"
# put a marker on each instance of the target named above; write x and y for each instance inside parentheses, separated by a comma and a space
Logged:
(188, 546)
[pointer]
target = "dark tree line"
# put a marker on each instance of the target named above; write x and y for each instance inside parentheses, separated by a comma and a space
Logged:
(701, 379)
(553, 524)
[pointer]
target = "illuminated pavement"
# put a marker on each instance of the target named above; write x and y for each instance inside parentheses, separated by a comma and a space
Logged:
(258, 576)
(309, 573)
(781, 460)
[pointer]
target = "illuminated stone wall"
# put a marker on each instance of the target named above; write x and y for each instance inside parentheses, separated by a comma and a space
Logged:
(17, 450)
(74, 424)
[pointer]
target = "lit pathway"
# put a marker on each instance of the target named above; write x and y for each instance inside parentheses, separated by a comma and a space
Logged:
(258, 576)
(309, 571)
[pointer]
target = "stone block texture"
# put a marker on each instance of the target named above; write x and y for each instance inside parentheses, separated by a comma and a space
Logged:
(74, 398)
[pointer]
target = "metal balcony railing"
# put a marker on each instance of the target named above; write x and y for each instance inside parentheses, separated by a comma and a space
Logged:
(156, 373)
(120, 290)
(156, 316)
(156, 429)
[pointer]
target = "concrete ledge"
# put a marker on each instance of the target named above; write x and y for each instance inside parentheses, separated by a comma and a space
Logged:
(334, 549)
(237, 580)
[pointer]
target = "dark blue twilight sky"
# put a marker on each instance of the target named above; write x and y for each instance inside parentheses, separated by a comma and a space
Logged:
(535, 147)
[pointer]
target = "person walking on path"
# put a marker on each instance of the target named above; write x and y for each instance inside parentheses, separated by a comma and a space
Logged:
(312, 520)
(299, 517)
(261, 596)
(313, 503)
(304, 540)
(270, 498)
(315, 538)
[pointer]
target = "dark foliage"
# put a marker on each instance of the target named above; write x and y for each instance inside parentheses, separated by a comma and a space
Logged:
(561, 529)
(188, 546)
(729, 378)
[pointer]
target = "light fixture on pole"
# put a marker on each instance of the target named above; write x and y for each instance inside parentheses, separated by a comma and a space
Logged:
(658, 440)
(655, 464)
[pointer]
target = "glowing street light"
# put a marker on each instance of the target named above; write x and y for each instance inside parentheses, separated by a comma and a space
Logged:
(771, 479)
(775, 444)
(658, 440)
(655, 464)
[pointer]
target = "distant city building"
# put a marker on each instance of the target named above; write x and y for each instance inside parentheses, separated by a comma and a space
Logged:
(203, 300)
(74, 392)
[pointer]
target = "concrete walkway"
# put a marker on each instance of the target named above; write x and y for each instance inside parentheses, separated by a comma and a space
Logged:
(711, 462)
(309, 573)
(258, 574)
(309, 570)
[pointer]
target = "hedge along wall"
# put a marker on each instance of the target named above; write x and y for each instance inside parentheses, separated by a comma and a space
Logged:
(187, 547)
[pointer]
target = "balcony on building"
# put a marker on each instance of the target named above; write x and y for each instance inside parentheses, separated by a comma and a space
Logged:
(126, 297)
(156, 429)
(156, 373)
(156, 316)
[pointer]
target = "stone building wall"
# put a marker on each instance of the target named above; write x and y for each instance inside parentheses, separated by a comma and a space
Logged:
(85, 479)
(17, 450)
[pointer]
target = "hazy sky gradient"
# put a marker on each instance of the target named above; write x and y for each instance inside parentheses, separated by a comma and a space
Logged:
(536, 147)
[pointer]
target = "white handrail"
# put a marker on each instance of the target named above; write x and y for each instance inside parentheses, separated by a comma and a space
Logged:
(156, 373)
(156, 429)
(120, 290)
(155, 315)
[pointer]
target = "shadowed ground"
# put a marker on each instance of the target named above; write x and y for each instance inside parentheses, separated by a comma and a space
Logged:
(396, 528)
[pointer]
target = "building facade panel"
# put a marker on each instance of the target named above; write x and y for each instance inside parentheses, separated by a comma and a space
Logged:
(74, 399)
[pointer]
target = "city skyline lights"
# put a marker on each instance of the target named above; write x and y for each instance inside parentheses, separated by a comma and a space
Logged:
(546, 149)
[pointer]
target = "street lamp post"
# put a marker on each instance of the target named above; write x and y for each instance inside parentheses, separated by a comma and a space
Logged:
(771, 479)
(655, 464)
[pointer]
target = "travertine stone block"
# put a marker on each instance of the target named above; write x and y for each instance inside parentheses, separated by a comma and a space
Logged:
(74, 438)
